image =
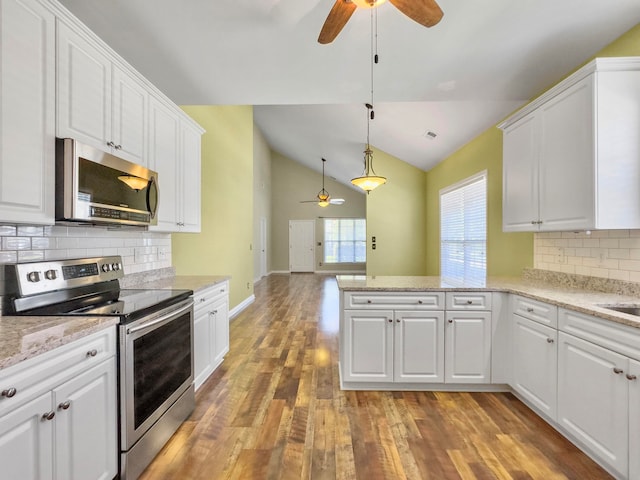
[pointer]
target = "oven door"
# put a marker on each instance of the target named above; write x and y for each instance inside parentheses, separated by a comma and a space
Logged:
(156, 367)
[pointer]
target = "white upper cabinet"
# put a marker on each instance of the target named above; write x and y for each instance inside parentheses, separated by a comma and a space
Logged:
(571, 158)
(27, 112)
(98, 102)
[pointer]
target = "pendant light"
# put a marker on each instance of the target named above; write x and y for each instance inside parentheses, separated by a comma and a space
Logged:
(369, 180)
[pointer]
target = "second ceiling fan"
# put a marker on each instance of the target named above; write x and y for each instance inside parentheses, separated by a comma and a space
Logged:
(323, 199)
(425, 12)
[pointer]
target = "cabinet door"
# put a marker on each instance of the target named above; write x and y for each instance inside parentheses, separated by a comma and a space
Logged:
(419, 347)
(26, 441)
(567, 159)
(535, 364)
(164, 157)
(203, 344)
(468, 347)
(634, 419)
(129, 126)
(368, 346)
(84, 89)
(190, 180)
(221, 327)
(27, 112)
(520, 176)
(593, 399)
(86, 423)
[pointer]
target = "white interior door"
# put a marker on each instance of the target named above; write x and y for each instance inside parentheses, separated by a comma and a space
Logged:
(263, 247)
(301, 245)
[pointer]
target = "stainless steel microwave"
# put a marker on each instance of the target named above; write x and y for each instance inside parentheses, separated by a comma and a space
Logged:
(96, 187)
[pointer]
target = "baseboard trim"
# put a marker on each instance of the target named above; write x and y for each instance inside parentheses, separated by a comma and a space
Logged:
(235, 311)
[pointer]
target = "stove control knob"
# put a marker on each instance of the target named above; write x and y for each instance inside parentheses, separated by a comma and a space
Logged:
(33, 276)
(106, 267)
(115, 266)
(50, 275)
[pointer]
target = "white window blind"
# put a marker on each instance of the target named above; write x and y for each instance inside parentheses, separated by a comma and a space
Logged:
(463, 232)
(345, 240)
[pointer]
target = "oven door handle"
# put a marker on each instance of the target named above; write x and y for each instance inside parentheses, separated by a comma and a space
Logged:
(159, 320)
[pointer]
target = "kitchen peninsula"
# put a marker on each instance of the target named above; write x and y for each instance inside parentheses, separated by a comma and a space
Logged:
(559, 347)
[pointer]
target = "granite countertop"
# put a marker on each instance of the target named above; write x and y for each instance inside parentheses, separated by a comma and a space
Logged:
(577, 299)
(23, 337)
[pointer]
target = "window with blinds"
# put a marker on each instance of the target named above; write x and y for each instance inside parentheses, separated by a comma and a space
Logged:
(463, 232)
(345, 240)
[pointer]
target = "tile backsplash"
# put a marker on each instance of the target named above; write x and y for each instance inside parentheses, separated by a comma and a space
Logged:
(613, 254)
(140, 250)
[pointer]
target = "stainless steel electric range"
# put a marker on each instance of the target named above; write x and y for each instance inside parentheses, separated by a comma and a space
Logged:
(155, 337)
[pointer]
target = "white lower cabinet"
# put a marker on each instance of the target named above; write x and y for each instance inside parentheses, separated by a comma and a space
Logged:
(593, 399)
(412, 343)
(58, 419)
(634, 419)
(211, 330)
(467, 347)
(535, 364)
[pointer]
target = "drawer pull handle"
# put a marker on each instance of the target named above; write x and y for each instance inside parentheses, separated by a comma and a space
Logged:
(550, 340)
(617, 370)
(469, 302)
(203, 300)
(529, 309)
(9, 392)
(48, 415)
(631, 377)
(65, 405)
(92, 353)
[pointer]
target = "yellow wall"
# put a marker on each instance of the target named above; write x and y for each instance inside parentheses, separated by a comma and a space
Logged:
(507, 253)
(224, 245)
(395, 216)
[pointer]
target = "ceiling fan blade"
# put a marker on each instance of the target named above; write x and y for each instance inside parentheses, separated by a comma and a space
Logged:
(336, 20)
(425, 12)
(336, 201)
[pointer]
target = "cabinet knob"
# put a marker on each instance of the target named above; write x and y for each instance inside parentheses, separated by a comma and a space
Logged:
(420, 302)
(529, 309)
(390, 320)
(469, 302)
(92, 353)
(48, 415)
(631, 377)
(65, 405)
(533, 222)
(368, 301)
(450, 320)
(397, 320)
(9, 392)
(617, 370)
(118, 147)
(111, 144)
(203, 300)
(550, 340)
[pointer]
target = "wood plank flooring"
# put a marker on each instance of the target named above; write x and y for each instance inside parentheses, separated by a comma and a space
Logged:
(274, 410)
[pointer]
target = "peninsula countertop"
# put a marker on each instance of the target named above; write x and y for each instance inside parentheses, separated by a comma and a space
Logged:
(577, 299)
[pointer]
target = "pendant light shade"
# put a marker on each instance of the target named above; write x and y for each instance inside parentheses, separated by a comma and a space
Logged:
(369, 180)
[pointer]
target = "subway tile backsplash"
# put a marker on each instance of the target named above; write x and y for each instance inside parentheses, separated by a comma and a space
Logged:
(612, 254)
(140, 250)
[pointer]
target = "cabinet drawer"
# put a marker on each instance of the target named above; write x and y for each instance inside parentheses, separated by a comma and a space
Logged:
(395, 300)
(534, 310)
(40, 374)
(207, 295)
(468, 300)
(614, 336)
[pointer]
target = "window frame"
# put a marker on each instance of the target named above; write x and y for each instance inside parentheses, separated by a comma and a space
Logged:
(355, 241)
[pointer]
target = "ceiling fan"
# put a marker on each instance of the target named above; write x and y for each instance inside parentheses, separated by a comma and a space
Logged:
(425, 12)
(323, 198)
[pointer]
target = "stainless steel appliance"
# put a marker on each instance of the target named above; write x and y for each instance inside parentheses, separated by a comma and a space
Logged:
(155, 335)
(99, 188)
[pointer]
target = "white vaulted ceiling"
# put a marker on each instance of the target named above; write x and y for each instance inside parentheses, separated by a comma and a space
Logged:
(482, 61)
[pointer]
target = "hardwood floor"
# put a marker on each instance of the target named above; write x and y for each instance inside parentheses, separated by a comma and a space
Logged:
(274, 410)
